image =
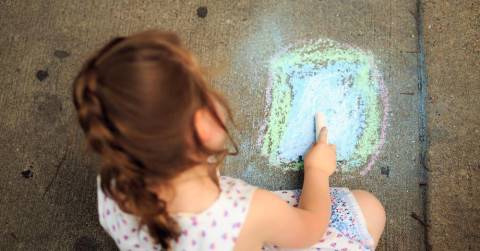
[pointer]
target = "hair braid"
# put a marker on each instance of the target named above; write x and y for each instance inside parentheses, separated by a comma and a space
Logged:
(135, 101)
(118, 166)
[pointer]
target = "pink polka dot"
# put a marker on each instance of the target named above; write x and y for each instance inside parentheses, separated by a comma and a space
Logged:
(133, 230)
(125, 237)
(193, 219)
(108, 212)
(145, 238)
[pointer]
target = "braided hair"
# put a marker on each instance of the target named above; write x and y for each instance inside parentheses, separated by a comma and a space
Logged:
(135, 100)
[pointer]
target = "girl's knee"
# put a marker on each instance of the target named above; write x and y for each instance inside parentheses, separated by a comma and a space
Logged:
(366, 198)
(369, 202)
(373, 212)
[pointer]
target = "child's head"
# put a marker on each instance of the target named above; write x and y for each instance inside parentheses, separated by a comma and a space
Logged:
(146, 107)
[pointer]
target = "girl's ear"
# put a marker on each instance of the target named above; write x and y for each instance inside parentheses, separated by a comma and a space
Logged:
(202, 125)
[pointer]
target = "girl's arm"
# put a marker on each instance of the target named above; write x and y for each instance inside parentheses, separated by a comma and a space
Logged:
(320, 163)
(272, 220)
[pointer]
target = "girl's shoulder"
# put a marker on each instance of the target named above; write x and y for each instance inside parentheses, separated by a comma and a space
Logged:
(235, 188)
(231, 181)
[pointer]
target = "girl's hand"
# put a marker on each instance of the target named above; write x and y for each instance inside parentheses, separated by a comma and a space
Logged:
(294, 227)
(321, 155)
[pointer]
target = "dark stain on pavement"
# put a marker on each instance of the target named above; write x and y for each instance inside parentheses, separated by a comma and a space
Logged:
(85, 243)
(202, 11)
(385, 170)
(61, 54)
(27, 174)
(300, 158)
(42, 75)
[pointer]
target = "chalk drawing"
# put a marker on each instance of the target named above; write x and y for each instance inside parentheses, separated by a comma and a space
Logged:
(338, 79)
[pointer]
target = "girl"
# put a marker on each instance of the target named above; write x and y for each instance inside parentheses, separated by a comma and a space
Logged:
(146, 107)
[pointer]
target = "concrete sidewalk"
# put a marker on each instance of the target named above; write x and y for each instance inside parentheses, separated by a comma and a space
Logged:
(451, 39)
(368, 51)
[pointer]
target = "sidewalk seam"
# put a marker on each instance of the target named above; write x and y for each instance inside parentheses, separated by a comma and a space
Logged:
(422, 87)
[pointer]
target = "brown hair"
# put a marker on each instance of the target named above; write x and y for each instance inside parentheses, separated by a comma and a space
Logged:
(135, 101)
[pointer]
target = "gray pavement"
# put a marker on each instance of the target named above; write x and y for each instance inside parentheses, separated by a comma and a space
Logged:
(368, 51)
(452, 59)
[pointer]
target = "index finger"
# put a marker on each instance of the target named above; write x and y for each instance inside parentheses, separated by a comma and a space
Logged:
(323, 138)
